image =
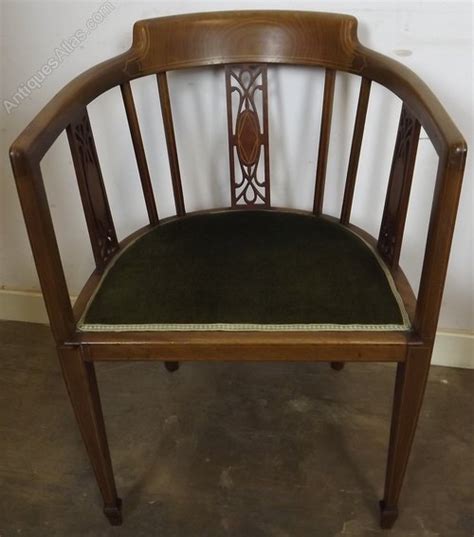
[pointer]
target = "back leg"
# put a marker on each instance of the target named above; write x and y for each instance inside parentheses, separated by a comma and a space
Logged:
(337, 366)
(172, 366)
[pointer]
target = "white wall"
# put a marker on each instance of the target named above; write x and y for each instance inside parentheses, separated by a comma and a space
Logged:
(432, 38)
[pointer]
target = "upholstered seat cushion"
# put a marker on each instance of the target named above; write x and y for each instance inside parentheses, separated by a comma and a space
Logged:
(247, 270)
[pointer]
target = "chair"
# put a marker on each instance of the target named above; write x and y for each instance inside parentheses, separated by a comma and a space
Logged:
(249, 281)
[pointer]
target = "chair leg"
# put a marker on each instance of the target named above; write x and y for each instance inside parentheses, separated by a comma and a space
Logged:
(337, 366)
(410, 386)
(172, 366)
(81, 384)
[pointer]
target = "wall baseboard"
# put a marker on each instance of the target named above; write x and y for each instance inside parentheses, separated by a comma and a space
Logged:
(26, 306)
(452, 349)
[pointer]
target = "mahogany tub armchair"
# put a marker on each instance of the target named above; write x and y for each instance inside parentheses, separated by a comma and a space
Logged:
(316, 288)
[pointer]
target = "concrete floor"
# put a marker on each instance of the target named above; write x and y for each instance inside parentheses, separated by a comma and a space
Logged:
(224, 449)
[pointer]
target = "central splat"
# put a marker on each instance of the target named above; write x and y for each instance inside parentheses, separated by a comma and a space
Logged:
(248, 134)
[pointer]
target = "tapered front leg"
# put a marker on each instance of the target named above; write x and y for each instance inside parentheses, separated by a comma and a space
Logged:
(81, 383)
(409, 390)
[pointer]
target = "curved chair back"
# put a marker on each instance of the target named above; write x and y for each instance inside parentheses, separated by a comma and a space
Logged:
(244, 44)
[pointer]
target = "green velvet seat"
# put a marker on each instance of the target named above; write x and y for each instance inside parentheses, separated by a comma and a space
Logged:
(247, 270)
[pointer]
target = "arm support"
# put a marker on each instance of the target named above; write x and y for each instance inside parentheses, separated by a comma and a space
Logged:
(45, 248)
(440, 234)
(452, 149)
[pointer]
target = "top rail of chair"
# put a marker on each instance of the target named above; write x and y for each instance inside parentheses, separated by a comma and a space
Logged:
(218, 38)
(215, 38)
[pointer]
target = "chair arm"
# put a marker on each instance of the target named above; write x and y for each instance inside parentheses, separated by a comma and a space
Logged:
(40, 134)
(26, 153)
(452, 149)
(422, 102)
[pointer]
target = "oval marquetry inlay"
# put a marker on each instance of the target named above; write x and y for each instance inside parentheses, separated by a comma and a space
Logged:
(248, 137)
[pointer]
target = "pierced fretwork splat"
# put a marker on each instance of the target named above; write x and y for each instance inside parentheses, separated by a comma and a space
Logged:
(401, 174)
(247, 113)
(91, 186)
